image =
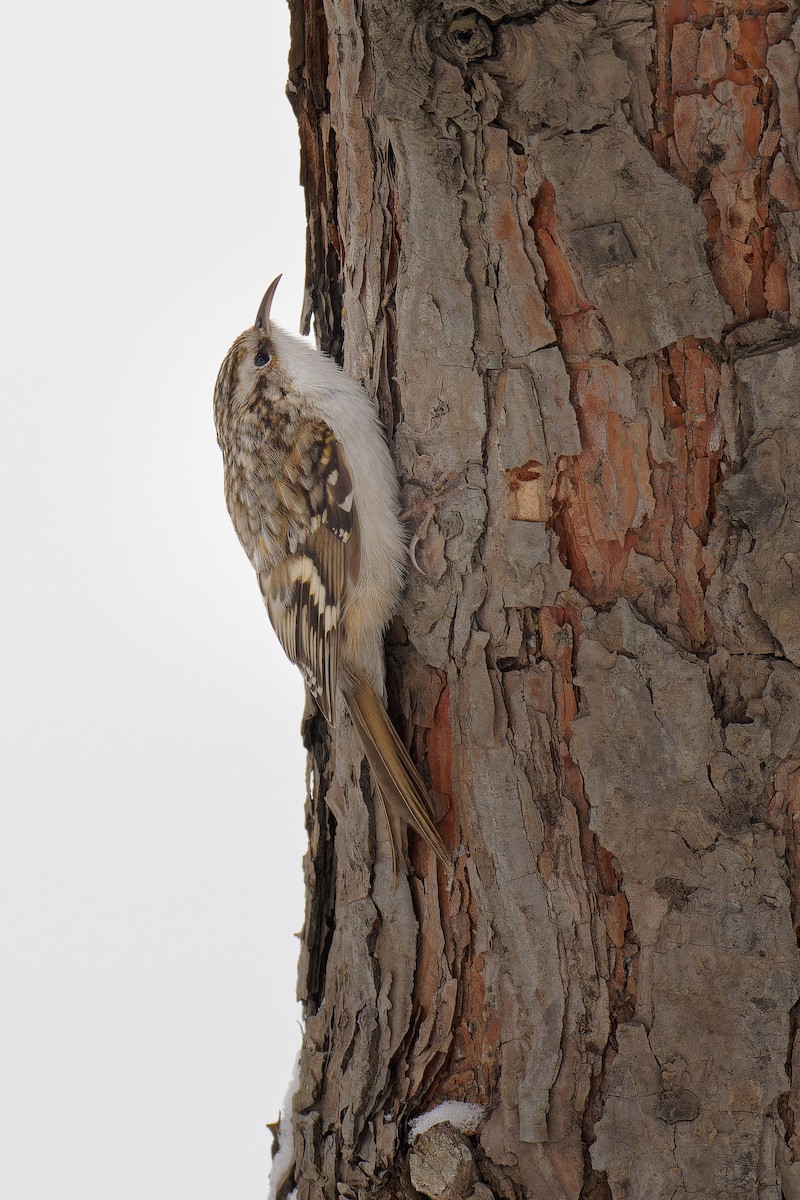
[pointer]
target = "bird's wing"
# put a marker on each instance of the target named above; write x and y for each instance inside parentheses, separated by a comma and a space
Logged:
(306, 593)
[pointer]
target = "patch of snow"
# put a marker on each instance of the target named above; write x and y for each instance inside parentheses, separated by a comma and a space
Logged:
(466, 1117)
(283, 1161)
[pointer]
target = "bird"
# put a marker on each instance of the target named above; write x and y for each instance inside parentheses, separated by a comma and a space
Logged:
(313, 495)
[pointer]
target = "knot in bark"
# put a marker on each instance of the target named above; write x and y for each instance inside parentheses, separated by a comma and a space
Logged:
(677, 1104)
(462, 37)
(441, 1163)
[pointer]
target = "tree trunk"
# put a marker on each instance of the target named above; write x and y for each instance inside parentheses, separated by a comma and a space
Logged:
(560, 244)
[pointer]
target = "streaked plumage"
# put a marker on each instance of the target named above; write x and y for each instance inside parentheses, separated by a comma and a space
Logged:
(313, 496)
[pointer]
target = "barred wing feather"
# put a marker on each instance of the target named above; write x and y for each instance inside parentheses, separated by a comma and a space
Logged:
(306, 593)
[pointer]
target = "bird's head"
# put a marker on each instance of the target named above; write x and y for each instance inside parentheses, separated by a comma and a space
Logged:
(252, 369)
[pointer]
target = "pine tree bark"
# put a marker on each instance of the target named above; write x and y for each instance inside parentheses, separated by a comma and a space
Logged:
(560, 244)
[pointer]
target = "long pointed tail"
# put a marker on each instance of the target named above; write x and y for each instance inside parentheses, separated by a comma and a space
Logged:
(399, 781)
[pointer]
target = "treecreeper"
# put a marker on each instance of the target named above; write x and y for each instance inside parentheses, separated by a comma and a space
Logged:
(314, 499)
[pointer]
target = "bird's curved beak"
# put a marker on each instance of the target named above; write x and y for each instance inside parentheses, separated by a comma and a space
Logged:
(262, 316)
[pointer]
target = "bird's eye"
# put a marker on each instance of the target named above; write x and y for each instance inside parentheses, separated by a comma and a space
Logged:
(263, 359)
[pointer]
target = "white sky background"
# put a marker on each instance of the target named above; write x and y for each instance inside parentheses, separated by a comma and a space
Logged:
(150, 761)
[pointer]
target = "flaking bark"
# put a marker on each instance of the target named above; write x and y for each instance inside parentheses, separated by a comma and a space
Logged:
(560, 245)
